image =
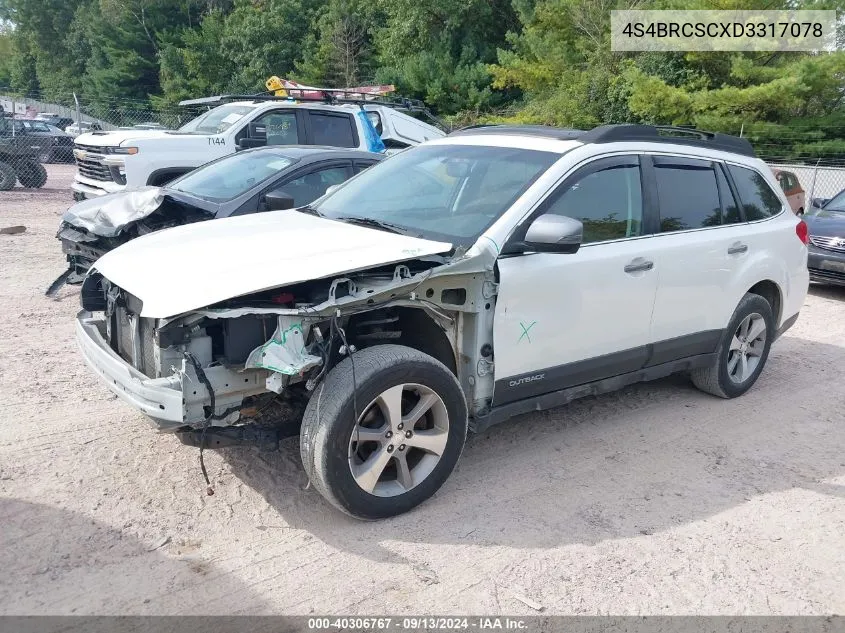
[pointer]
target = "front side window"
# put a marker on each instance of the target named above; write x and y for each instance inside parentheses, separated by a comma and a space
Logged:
(281, 128)
(758, 200)
(331, 129)
(608, 202)
(232, 176)
(687, 194)
(217, 120)
(443, 192)
(305, 189)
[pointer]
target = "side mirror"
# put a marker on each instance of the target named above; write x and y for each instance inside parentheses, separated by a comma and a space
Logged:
(818, 203)
(554, 234)
(256, 136)
(278, 200)
(249, 143)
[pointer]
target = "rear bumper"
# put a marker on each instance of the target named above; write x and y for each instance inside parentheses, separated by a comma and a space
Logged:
(826, 266)
(164, 400)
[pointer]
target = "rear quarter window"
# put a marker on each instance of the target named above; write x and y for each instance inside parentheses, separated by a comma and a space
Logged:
(758, 199)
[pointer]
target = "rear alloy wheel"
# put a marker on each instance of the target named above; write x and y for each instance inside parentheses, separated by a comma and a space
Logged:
(8, 177)
(742, 352)
(32, 175)
(409, 431)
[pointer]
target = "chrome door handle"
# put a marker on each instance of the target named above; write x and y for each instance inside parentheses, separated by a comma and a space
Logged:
(638, 264)
(738, 248)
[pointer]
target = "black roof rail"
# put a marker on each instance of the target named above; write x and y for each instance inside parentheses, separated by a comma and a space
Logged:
(329, 96)
(668, 134)
(545, 131)
(621, 133)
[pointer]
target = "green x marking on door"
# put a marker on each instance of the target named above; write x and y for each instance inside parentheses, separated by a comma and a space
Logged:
(525, 330)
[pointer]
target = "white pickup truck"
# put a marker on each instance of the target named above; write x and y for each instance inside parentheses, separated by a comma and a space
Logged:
(110, 162)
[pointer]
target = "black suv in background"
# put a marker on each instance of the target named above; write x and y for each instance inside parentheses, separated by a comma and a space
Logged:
(20, 152)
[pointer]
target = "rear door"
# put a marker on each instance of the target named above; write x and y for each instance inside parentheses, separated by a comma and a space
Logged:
(335, 129)
(700, 244)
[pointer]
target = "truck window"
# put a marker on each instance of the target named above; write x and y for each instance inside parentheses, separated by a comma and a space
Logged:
(332, 129)
(281, 128)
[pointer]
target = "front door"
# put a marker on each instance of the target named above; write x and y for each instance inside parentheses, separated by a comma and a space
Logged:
(563, 320)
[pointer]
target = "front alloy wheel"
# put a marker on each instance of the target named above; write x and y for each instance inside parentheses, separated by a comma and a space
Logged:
(399, 439)
(379, 440)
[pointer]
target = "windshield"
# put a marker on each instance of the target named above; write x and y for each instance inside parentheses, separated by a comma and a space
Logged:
(36, 126)
(229, 177)
(217, 120)
(837, 203)
(443, 192)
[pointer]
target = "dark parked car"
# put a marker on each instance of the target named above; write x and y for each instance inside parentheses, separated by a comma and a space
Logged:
(61, 143)
(826, 223)
(54, 119)
(19, 153)
(250, 181)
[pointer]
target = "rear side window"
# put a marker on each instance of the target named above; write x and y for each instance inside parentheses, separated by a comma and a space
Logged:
(758, 199)
(332, 129)
(688, 194)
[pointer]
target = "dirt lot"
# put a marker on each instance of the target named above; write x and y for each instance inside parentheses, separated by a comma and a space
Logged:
(657, 499)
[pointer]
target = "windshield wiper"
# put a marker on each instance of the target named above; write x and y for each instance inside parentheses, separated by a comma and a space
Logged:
(376, 224)
(305, 208)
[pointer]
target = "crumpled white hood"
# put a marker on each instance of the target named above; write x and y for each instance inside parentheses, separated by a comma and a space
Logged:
(190, 267)
(108, 215)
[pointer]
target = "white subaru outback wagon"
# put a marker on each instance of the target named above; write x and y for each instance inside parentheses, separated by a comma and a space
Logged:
(493, 272)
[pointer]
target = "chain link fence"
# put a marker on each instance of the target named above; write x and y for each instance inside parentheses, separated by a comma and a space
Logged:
(818, 174)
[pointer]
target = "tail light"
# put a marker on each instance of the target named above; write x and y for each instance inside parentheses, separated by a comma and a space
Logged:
(802, 232)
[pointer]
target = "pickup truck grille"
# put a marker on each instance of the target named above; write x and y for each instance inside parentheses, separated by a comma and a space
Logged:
(829, 243)
(90, 166)
(145, 362)
(63, 141)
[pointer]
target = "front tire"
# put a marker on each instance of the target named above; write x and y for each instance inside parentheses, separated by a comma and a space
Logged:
(32, 175)
(409, 432)
(742, 352)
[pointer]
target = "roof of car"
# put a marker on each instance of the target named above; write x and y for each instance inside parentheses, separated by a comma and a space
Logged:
(618, 134)
(315, 152)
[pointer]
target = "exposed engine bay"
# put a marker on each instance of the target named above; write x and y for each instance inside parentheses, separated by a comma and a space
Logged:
(260, 356)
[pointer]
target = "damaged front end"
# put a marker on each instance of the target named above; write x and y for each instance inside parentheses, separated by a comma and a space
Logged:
(96, 226)
(256, 359)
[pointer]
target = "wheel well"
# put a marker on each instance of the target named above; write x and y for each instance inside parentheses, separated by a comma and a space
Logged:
(770, 291)
(403, 326)
(163, 176)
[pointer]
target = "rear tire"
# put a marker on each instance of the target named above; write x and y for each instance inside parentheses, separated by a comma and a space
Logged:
(392, 458)
(32, 175)
(742, 352)
(8, 177)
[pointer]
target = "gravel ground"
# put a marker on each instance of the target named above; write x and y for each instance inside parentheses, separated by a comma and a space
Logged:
(654, 500)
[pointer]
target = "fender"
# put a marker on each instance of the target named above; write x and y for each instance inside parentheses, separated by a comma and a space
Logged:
(163, 176)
